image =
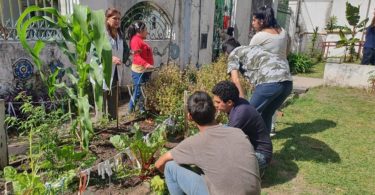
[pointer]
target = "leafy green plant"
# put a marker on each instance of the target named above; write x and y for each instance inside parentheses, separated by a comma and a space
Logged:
(353, 17)
(142, 149)
(313, 50)
(37, 123)
(47, 160)
(82, 33)
(158, 185)
(299, 63)
(331, 24)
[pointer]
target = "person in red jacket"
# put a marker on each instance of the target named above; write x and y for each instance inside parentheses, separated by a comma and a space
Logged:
(143, 61)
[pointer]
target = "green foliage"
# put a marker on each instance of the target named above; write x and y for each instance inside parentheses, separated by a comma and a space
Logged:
(331, 24)
(168, 98)
(314, 53)
(24, 183)
(299, 63)
(85, 31)
(352, 16)
(45, 152)
(142, 149)
(158, 185)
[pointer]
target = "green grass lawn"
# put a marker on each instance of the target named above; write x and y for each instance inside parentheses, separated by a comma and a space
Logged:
(317, 71)
(325, 144)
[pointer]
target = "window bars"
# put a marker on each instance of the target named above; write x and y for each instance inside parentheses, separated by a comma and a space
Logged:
(10, 10)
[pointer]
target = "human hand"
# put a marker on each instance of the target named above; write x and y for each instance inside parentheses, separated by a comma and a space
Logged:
(116, 60)
(149, 66)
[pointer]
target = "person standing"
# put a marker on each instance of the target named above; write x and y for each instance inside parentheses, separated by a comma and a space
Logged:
(143, 61)
(115, 37)
(270, 93)
(244, 116)
(224, 154)
(369, 46)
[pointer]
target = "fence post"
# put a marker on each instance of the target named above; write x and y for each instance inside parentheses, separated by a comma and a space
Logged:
(3, 137)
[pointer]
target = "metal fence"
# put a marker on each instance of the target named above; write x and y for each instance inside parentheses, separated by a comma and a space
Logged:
(10, 10)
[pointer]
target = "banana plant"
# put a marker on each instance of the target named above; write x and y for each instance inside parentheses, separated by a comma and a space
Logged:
(353, 17)
(85, 44)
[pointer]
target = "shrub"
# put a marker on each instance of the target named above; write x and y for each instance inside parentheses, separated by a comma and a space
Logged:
(165, 92)
(299, 63)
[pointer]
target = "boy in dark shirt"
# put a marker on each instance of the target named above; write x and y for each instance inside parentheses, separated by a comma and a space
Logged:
(244, 116)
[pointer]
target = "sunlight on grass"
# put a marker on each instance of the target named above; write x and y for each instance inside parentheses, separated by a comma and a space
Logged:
(325, 144)
(317, 71)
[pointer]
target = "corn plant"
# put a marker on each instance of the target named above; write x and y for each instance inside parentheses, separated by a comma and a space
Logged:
(83, 35)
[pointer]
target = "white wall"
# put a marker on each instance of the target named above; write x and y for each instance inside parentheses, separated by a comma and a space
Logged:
(242, 21)
(316, 13)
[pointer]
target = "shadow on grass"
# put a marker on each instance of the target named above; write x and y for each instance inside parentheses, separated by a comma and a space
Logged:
(299, 147)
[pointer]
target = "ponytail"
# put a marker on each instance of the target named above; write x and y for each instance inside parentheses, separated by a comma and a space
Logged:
(135, 28)
(266, 14)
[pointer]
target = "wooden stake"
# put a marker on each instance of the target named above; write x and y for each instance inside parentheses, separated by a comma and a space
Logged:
(3, 137)
(186, 114)
(117, 99)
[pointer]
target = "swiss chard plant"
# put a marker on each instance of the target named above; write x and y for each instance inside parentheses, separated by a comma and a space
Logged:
(353, 18)
(84, 42)
(142, 148)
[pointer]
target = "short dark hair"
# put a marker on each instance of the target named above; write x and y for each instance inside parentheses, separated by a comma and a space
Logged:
(266, 14)
(229, 45)
(201, 108)
(226, 91)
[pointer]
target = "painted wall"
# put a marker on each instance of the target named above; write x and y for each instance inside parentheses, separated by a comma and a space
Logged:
(11, 52)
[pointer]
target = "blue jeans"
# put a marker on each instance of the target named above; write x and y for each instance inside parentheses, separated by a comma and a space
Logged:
(268, 97)
(182, 181)
(137, 97)
(368, 57)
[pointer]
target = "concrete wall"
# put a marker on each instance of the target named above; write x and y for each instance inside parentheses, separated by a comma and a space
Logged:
(347, 75)
(191, 19)
(242, 21)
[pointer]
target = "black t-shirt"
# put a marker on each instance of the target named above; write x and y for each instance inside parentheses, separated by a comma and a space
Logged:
(244, 116)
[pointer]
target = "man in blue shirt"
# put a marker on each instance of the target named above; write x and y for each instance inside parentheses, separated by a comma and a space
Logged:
(244, 116)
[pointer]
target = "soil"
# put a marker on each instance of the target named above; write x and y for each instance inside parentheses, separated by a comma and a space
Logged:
(103, 150)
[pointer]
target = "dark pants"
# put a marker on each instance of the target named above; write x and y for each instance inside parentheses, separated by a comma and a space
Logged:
(368, 56)
(110, 99)
(268, 97)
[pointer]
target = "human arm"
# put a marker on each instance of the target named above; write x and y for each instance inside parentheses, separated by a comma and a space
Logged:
(235, 77)
(160, 163)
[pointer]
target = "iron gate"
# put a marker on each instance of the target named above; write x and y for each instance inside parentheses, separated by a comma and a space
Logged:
(157, 21)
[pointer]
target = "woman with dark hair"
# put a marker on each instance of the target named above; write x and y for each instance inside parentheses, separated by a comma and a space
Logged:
(369, 46)
(143, 61)
(115, 37)
(271, 76)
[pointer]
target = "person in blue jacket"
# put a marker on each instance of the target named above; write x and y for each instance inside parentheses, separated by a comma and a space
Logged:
(369, 46)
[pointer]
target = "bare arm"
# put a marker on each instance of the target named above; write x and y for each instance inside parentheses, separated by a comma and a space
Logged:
(160, 163)
(235, 77)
